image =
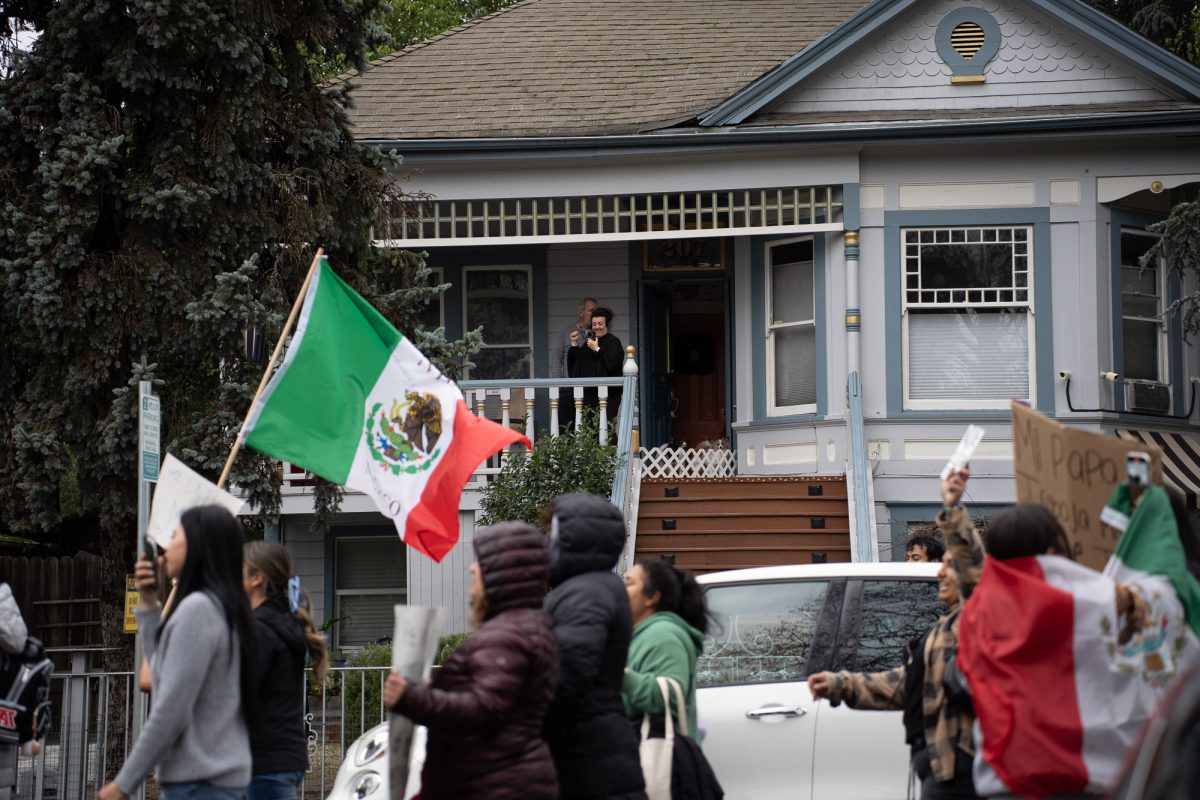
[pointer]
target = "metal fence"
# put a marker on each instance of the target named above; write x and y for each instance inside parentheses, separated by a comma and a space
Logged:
(93, 732)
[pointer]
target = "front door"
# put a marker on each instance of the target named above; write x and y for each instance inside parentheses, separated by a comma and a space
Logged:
(698, 378)
(655, 361)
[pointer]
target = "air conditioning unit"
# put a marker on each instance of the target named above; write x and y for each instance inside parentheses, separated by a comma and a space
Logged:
(1147, 397)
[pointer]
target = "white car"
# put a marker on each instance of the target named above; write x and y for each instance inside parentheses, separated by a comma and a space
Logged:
(766, 737)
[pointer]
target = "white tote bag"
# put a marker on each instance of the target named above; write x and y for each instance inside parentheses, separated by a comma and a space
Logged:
(656, 754)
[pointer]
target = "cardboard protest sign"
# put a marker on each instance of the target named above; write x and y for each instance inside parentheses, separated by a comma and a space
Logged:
(414, 644)
(1072, 473)
(180, 488)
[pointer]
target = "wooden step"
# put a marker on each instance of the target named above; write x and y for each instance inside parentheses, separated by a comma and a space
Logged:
(741, 488)
(709, 560)
(725, 539)
(706, 522)
(724, 506)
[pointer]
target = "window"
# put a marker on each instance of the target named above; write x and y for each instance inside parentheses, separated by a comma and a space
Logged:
(763, 632)
(791, 328)
(892, 614)
(1142, 330)
(370, 578)
(499, 299)
(434, 314)
(968, 322)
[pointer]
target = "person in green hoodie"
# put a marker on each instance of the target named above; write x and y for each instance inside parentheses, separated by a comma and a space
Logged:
(670, 618)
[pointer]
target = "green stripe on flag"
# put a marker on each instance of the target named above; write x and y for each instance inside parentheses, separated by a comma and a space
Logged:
(313, 410)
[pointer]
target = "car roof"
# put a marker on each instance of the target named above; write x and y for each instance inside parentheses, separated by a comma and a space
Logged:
(887, 569)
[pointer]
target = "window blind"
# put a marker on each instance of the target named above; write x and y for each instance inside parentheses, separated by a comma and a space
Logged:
(968, 355)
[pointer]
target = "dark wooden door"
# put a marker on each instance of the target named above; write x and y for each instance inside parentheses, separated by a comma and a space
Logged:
(655, 359)
(698, 377)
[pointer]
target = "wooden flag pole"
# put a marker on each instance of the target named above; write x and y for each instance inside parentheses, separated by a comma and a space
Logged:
(262, 384)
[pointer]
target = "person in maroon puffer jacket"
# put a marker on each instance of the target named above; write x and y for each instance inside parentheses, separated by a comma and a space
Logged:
(485, 706)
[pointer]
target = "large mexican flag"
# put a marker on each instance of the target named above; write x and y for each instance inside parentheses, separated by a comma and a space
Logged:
(357, 404)
(1058, 698)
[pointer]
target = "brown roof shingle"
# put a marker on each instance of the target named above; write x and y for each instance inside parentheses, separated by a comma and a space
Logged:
(583, 67)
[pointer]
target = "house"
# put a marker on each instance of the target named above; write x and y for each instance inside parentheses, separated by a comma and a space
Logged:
(836, 231)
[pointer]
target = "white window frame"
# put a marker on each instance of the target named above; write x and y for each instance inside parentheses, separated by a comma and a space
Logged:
(339, 593)
(437, 277)
(1164, 367)
(951, 403)
(468, 325)
(774, 410)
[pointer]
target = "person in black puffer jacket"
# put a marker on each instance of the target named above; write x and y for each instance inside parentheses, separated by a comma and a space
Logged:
(594, 747)
(485, 706)
(286, 637)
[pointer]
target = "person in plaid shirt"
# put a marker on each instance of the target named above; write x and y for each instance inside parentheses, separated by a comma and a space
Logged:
(937, 719)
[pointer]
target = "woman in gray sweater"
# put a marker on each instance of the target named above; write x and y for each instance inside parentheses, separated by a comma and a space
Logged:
(200, 652)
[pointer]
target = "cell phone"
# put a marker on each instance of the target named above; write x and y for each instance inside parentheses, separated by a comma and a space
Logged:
(591, 334)
(1137, 468)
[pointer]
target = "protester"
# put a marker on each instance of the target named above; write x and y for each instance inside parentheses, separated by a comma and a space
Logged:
(595, 749)
(286, 636)
(670, 619)
(201, 654)
(937, 722)
(1065, 665)
(485, 707)
(924, 544)
(600, 355)
(581, 326)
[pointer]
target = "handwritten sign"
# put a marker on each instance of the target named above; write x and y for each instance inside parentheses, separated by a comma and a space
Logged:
(132, 598)
(180, 488)
(1072, 473)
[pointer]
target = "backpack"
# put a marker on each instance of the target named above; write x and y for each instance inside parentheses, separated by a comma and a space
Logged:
(25, 694)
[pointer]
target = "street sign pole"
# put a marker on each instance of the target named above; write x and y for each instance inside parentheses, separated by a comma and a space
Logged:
(149, 420)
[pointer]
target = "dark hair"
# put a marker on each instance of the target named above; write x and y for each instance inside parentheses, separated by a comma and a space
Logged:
(603, 311)
(274, 563)
(1187, 534)
(214, 565)
(1026, 529)
(677, 590)
(929, 539)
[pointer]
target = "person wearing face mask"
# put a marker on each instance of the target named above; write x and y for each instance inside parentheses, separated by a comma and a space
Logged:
(937, 720)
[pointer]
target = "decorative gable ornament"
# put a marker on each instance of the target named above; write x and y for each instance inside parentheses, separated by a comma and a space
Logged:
(967, 39)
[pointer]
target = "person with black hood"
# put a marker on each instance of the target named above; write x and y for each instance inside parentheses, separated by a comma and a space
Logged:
(485, 705)
(594, 747)
(286, 636)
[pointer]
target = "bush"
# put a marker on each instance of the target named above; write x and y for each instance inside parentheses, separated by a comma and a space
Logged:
(362, 690)
(447, 645)
(573, 461)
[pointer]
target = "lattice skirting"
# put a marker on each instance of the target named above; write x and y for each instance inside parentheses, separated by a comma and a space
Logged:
(674, 462)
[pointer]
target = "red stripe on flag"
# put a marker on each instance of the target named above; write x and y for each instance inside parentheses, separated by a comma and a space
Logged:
(432, 527)
(1016, 647)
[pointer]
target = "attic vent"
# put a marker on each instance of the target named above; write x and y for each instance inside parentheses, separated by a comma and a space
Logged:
(967, 39)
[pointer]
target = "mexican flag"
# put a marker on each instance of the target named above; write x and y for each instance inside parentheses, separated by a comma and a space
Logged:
(1058, 699)
(357, 404)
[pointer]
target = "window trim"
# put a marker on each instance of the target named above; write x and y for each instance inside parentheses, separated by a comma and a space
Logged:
(769, 328)
(951, 403)
(335, 594)
(437, 276)
(1164, 359)
(763, 371)
(466, 320)
(893, 350)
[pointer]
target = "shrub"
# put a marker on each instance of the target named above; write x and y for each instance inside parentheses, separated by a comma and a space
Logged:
(447, 645)
(362, 689)
(573, 461)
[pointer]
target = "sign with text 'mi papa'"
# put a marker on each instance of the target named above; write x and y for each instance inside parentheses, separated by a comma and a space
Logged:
(1072, 473)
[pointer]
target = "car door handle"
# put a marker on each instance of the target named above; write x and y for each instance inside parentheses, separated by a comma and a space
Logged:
(776, 711)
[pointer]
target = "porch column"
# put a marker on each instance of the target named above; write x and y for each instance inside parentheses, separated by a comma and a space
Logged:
(862, 536)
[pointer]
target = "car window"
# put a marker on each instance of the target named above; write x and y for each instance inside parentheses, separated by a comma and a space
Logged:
(892, 614)
(763, 632)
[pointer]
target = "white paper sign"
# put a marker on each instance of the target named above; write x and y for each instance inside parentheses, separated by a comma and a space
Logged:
(180, 488)
(414, 645)
(962, 454)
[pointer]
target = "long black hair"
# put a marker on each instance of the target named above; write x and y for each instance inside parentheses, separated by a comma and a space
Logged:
(214, 565)
(677, 590)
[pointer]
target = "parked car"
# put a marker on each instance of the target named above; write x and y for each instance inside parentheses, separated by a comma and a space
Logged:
(766, 737)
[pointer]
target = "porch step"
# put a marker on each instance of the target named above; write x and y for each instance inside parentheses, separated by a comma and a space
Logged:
(710, 524)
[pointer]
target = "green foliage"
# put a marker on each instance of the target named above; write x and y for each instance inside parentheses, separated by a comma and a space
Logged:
(447, 645)
(571, 462)
(362, 690)
(1179, 245)
(1173, 24)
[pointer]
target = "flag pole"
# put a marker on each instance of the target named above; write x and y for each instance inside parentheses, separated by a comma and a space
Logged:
(262, 384)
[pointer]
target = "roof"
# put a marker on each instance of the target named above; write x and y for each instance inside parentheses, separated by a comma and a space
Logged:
(584, 67)
(930, 115)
